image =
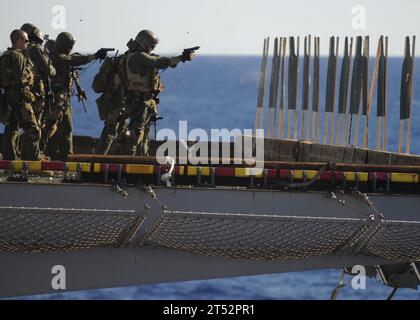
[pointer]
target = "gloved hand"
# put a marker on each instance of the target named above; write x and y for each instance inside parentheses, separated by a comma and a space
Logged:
(100, 54)
(187, 57)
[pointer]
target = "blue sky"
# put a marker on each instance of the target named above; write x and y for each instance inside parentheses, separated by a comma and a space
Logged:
(219, 26)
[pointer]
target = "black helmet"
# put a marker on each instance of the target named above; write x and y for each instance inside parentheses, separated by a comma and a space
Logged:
(28, 28)
(65, 41)
(146, 38)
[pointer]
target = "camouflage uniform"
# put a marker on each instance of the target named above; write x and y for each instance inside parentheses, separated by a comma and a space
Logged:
(144, 147)
(18, 79)
(44, 70)
(110, 104)
(142, 86)
(115, 121)
(57, 133)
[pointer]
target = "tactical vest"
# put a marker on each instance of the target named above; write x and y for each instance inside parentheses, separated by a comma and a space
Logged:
(7, 78)
(62, 79)
(108, 78)
(149, 82)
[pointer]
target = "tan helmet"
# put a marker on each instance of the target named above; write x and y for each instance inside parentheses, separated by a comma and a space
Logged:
(65, 40)
(146, 38)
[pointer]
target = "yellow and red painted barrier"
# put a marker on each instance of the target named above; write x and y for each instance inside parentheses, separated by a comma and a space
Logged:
(192, 171)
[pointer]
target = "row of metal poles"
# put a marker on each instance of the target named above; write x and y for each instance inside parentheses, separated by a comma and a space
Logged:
(356, 88)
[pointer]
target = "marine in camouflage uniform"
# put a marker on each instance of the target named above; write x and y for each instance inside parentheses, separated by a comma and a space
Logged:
(44, 70)
(111, 106)
(17, 79)
(142, 85)
(57, 137)
(115, 124)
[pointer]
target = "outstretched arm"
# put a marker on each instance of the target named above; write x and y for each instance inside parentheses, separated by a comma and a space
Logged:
(143, 59)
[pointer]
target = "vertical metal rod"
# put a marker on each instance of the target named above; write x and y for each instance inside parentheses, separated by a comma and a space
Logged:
(385, 134)
(318, 128)
(356, 92)
(313, 126)
(315, 91)
(261, 126)
(408, 145)
(276, 92)
(379, 53)
(273, 94)
(346, 112)
(292, 87)
(413, 56)
(405, 98)
(304, 87)
(334, 91)
(326, 123)
(261, 89)
(400, 142)
(337, 133)
(343, 92)
(307, 125)
(297, 81)
(381, 92)
(283, 86)
(356, 131)
(378, 132)
(365, 90)
(330, 90)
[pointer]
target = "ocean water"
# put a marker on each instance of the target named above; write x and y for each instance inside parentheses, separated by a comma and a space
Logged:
(221, 92)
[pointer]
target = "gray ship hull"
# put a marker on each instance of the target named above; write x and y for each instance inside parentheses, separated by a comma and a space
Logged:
(182, 234)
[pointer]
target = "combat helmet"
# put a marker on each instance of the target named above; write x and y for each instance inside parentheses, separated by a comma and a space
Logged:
(65, 40)
(37, 36)
(28, 28)
(34, 34)
(146, 38)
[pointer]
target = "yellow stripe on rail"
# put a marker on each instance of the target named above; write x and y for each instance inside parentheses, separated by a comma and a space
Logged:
(139, 169)
(405, 177)
(351, 176)
(72, 167)
(248, 172)
(33, 166)
(193, 171)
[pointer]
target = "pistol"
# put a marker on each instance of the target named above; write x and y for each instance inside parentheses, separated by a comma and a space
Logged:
(107, 49)
(187, 52)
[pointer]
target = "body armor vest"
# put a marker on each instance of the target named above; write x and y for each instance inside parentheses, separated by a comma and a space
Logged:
(148, 82)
